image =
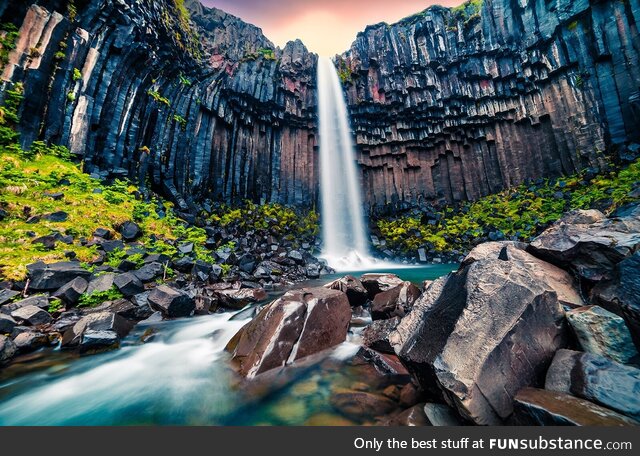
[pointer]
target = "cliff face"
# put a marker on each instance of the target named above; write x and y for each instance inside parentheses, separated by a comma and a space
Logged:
(452, 105)
(446, 105)
(204, 110)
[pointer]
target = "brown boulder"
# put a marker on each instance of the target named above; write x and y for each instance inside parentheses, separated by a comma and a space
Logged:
(376, 335)
(377, 283)
(355, 291)
(537, 407)
(361, 405)
(395, 302)
(300, 323)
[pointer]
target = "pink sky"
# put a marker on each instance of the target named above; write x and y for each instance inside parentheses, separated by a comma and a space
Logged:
(327, 27)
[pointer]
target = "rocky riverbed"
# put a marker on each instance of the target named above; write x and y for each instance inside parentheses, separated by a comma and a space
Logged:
(544, 333)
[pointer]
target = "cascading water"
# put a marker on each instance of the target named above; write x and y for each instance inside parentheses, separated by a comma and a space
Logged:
(343, 229)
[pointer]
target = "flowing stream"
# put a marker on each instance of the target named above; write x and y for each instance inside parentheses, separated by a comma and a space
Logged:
(174, 373)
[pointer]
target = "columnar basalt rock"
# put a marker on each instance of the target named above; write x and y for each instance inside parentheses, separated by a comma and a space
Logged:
(452, 107)
(207, 109)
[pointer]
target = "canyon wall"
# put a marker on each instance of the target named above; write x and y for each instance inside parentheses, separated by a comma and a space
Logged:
(446, 105)
(452, 105)
(207, 109)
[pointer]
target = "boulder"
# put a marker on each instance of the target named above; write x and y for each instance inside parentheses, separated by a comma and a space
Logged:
(355, 291)
(149, 272)
(103, 233)
(603, 333)
(480, 335)
(101, 322)
(376, 335)
(101, 283)
(7, 323)
(71, 292)
(7, 349)
(559, 280)
(538, 407)
(7, 295)
(268, 270)
(300, 323)
(128, 284)
(130, 231)
(239, 299)
(441, 415)
(53, 276)
(171, 302)
(596, 379)
(32, 315)
(395, 302)
(590, 248)
(413, 416)
(621, 294)
(29, 341)
(376, 283)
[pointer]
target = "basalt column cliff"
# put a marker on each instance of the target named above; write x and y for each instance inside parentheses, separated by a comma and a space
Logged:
(446, 105)
(188, 99)
(455, 104)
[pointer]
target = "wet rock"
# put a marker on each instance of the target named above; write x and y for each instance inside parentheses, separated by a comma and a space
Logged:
(596, 379)
(395, 302)
(31, 315)
(559, 280)
(7, 323)
(441, 415)
(98, 340)
(171, 302)
(7, 349)
(590, 249)
(376, 283)
(621, 294)
(239, 299)
(202, 270)
(380, 369)
(376, 335)
(296, 256)
(184, 264)
(355, 291)
(300, 323)
(537, 407)
(128, 284)
(268, 270)
(603, 333)
(38, 301)
(71, 292)
(130, 231)
(98, 322)
(53, 276)
(247, 263)
(29, 341)
(361, 405)
(480, 335)
(112, 246)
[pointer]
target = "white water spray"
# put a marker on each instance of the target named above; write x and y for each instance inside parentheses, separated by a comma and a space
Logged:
(343, 228)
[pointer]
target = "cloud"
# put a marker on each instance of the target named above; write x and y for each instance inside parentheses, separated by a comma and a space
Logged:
(327, 27)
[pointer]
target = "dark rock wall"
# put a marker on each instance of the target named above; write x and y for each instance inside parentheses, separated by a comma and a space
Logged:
(456, 109)
(196, 112)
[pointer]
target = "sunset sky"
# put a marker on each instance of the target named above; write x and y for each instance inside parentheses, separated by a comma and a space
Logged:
(327, 27)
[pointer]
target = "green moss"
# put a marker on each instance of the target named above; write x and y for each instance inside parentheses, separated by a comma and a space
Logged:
(77, 75)
(99, 297)
(468, 13)
(158, 98)
(265, 53)
(8, 38)
(56, 305)
(572, 25)
(520, 213)
(180, 121)
(9, 115)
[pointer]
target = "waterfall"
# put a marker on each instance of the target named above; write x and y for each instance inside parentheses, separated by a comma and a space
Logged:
(343, 228)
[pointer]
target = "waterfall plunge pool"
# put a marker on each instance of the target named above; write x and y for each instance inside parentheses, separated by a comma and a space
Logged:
(179, 376)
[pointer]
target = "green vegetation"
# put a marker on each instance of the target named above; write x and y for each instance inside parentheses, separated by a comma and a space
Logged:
(158, 98)
(344, 72)
(77, 75)
(56, 305)
(265, 53)
(97, 298)
(184, 81)
(519, 213)
(9, 115)
(468, 14)
(71, 96)
(8, 39)
(180, 121)
(278, 219)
